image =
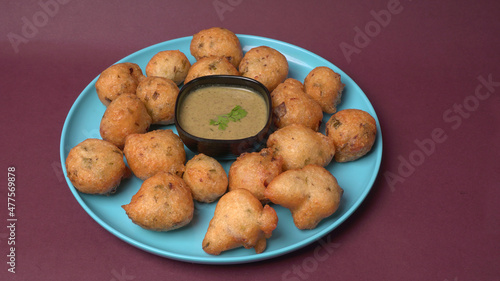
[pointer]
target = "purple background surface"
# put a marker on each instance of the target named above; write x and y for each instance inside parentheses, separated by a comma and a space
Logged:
(436, 218)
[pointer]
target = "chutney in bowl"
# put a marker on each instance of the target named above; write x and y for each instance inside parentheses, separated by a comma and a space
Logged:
(223, 116)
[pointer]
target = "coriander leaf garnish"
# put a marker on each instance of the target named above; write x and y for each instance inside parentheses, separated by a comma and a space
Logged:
(236, 114)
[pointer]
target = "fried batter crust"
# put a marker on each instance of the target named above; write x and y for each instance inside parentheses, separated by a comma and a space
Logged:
(239, 220)
(311, 193)
(163, 203)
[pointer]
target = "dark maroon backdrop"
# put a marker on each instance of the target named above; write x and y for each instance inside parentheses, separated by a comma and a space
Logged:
(430, 68)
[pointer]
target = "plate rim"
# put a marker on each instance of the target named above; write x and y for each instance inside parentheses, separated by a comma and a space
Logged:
(226, 260)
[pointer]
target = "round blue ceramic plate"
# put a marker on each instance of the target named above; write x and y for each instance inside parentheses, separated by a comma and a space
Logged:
(356, 178)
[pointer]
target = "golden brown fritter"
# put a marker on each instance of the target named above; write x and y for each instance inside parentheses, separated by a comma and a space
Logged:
(116, 80)
(353, 131)
(170, 64)
(153, 152)
(163, 203)
(311, 193)
(206, 178)
(300, 146)
(239, 220)
(96, 166)
(124, 116)
(254, 171)
(218, 42)
(292, 82)
(210, 66)
(325, 87)
(291, 105)
(266, 65)
(159, 95)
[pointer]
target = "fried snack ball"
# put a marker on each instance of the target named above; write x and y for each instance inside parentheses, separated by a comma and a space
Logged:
(116, 80)
(218, 42)
(325, 87)
(124, 116)
(266, 65)
(239, 220)
(210, 66)
(96, 166)
(159, 95)
(206, 178)
(353, 131)
(153, 152)
(294, 83)
(170, 64)
(311, 194)
(291, 105)
(300, 146)
(163, 203)
(254, 171)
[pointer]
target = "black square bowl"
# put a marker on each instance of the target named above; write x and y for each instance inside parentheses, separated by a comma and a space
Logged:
(218, 148)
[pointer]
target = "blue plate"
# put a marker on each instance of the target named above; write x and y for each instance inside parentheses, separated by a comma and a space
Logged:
(356, 178)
